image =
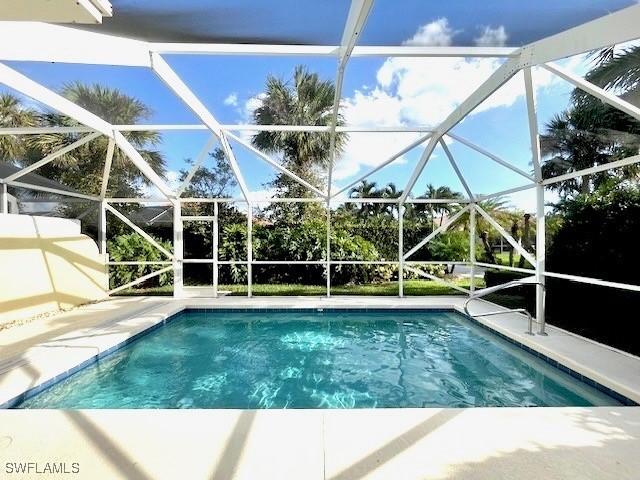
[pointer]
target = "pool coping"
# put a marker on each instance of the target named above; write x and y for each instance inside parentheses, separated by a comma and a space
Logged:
(151, 318)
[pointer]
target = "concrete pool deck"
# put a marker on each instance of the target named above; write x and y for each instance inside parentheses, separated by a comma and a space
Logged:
(475, 443)
(492, 443)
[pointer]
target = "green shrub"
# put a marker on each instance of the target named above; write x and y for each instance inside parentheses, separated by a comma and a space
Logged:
(598, 238)
(132, 247)
(381, 231)
(345, 246)
(438, 270)
(452, 246)
(233, 246)
(305, 241)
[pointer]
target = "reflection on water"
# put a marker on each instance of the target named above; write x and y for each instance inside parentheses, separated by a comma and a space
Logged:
(319, 360)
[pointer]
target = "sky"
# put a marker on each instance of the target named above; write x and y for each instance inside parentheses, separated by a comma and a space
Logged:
(377, 91)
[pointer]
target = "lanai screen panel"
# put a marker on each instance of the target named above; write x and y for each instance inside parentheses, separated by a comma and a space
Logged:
(303, 22)
(310, 22)
(429, 27)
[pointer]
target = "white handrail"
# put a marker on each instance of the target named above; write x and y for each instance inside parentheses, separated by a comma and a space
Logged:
(513, 283)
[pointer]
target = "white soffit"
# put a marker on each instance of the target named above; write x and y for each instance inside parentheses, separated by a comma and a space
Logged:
(44, 42)
(56, 11)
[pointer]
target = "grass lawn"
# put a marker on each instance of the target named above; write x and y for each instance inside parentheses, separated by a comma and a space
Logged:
(503, 259)
(411, 287)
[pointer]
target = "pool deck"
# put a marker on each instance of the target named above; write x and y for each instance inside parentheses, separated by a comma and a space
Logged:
(598, 442)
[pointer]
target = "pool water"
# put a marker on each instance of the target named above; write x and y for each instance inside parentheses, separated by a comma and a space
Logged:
(309, 359)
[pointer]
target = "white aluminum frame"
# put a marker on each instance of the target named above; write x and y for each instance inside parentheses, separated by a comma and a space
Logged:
(22, 42)
(442, 228)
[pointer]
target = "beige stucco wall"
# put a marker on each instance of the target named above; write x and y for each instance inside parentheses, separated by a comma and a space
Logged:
(46, 265)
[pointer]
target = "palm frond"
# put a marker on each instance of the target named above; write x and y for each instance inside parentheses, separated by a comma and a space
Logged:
(304, 100)
(620, 71)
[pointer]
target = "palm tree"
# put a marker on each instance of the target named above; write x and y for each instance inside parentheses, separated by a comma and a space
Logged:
(573, 141)
(366, 189)
(391, 191)
(442, 209)
(610, 133)
(82, 167)
(446, 208)
(14, 114)
(619, 71)
(497, 209)
(308, 100)
(426, 208)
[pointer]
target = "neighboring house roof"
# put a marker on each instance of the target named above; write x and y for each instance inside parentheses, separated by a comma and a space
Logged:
(152, 216)
(7, 169)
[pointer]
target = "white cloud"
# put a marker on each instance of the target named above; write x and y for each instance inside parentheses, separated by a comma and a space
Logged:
(369, 150)
(492, 37)
(415, 91)
(231, 100)
(375, 107)
(422, 91)
(252, 104)
(437, 33)
(246, 113)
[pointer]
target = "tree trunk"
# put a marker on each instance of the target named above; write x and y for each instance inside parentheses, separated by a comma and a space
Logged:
(514, 234)
(585, 187)
(526, 243)
(484, 236)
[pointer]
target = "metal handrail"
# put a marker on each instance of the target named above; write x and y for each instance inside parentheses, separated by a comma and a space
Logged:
(513, 283)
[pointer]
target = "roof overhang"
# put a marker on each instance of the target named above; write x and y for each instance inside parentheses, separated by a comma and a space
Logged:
(56, 11)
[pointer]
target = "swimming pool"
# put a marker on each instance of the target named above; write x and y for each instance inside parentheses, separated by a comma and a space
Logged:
(318, 359)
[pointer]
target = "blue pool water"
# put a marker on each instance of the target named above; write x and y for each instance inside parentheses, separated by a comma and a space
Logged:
(209, 359)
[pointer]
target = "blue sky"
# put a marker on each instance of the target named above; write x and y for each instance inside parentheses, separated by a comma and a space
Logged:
(377, 91)
(321, 22)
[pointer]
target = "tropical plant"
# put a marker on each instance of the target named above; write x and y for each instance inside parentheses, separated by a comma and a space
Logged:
(345, 246)
(366, 189)
(573, 140)
(82, 167)
(437, 209)
(597, 238)
(618, 70)
(296, 241)
(450, 246)
(14, 114)
(391, 191)
(439, 270)
(381, 230)
(306, 100)
(132, 247)
(591, 132)
(301, 242)
(233, 247)
(443, 209)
